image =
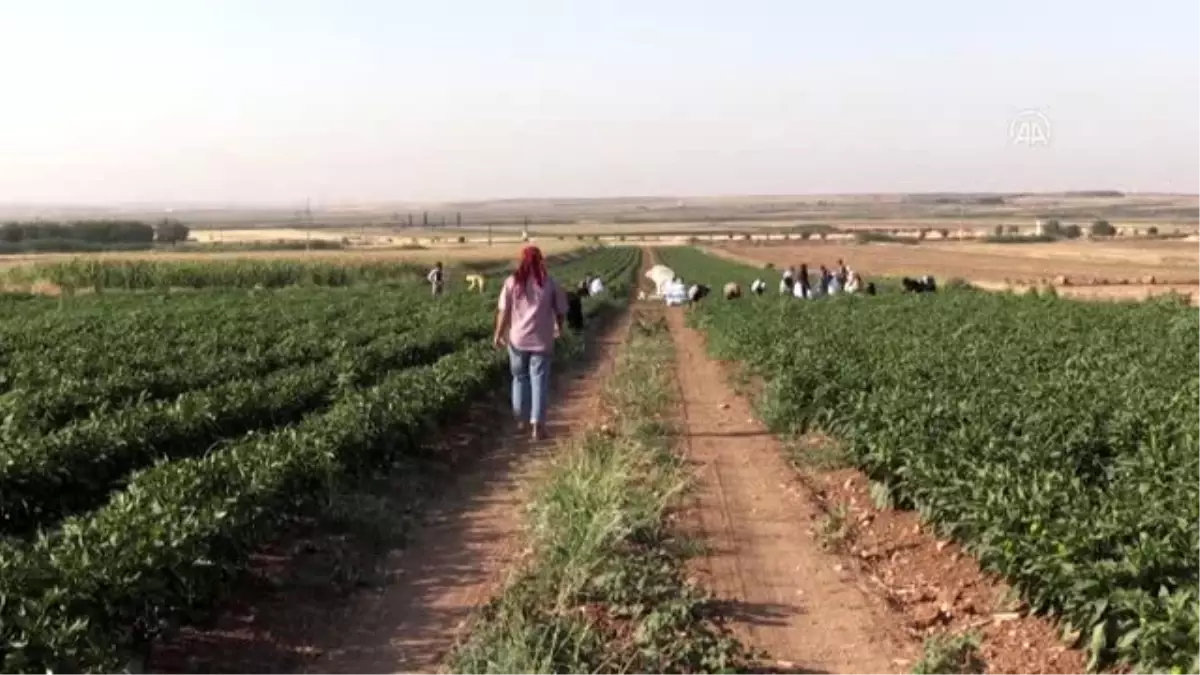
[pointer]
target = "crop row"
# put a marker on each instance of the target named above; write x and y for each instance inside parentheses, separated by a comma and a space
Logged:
(149, 274)
(46, 339)
(62, 365)
(91, 336)
(74, 468)
(1056, 439)
(305, 335)
(117, 274)
(85, 595)
(71, 469)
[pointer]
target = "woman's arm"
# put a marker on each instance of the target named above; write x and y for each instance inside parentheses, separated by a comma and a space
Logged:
(503, 317)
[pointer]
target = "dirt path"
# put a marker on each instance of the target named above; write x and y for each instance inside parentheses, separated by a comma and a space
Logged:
(455, 563)
(789, 598)
(465, 540)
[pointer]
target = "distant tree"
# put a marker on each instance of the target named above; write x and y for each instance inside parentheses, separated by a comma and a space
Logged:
(999, 230)
(170, 231)
(1152, 231)
(1013, 229)
(1072, 231)
(1102, 228)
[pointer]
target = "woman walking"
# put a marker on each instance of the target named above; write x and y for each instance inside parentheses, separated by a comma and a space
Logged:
(529, 319)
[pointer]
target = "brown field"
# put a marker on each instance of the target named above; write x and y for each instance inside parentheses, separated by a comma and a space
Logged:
(1085, 261)
(447, 253)
(1092, 269)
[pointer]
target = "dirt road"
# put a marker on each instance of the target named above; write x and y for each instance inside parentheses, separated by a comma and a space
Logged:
(788, 597)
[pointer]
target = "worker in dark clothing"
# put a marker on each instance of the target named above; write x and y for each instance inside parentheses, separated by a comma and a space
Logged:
(574, 311)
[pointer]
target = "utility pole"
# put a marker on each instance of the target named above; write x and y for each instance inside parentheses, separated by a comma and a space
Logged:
(489, 233)
(424, 219)
(308, 226)
(458, 219)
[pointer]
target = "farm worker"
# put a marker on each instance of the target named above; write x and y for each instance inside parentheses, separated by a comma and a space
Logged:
(596, 287)
(826, 276)
(843, 272)
(475, 282)
(835, 284)
(697, 292)
(574, 311)
(529, 318)
(676, 293)
(758, 287)
(437, 278)
(788, 280)
(802, 288)
(854, 285)
(732, 290)
(662, 276)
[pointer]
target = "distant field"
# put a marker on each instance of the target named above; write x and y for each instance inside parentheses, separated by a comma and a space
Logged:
(460, 252)
(1168, 260)
(1116, 267)
(630, 214)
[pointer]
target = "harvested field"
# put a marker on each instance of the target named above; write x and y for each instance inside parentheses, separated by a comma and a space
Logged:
(1092, 269)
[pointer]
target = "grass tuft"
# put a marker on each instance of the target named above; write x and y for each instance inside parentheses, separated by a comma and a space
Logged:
(950, 653)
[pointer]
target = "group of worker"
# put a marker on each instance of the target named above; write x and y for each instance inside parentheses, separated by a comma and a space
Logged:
(797, 282)
(591, 284)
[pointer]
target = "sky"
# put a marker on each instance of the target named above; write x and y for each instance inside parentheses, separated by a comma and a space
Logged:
(351, 101)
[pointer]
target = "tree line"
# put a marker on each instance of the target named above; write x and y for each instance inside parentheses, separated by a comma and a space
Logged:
(84, 235)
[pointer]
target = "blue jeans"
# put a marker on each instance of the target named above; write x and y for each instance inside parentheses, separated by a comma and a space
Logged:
(530, 384)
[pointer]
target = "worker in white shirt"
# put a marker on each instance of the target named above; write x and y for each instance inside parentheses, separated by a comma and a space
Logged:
(854, 284)
(758, 287)
(596, 287)
(677, 293)
(787, 282)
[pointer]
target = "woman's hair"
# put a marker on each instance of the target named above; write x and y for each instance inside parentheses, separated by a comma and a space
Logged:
(532, 266)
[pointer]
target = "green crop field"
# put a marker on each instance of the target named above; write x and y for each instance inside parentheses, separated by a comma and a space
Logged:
(151, 440)
(1058, 440)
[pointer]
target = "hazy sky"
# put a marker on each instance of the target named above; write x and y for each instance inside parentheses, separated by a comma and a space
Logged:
(262, 100)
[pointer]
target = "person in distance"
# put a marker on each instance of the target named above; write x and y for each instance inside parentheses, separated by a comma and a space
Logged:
(437, 278)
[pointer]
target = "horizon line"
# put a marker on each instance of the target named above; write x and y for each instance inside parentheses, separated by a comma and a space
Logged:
(299, 203)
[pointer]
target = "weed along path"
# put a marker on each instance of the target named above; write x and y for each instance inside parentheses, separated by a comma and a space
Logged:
(786, 597)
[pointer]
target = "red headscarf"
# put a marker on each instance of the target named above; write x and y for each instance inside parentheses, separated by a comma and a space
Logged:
(532, 266)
